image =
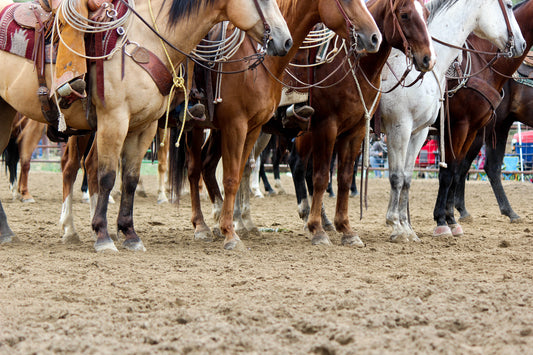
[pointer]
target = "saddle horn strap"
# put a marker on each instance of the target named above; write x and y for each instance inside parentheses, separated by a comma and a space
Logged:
(154, 67)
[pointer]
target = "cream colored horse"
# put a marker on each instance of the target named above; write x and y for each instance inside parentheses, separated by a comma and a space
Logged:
(128, 122)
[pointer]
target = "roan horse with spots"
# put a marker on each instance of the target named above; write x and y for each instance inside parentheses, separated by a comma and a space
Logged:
(128, 121)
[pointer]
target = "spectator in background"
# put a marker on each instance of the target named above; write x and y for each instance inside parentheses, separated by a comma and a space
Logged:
(378, 155)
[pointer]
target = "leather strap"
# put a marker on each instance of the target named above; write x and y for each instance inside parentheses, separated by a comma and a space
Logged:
(153, 66)
(488, 92)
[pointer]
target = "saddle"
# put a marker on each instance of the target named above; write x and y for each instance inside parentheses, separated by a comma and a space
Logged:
(30, 15)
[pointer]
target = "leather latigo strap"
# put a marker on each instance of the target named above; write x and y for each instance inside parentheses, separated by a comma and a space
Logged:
(155, 67)
(490, 94)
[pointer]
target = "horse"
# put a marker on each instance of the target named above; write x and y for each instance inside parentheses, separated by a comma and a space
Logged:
(408, 112)
(25, 136)
(341, 110)
(241, 114)
(127, 116)
(517, 105)
(470, 109)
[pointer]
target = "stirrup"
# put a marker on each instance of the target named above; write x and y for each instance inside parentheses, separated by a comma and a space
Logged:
(298, 117)
(70, 92)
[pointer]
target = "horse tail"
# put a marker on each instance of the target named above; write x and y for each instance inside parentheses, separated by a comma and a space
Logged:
(11, 158)
(177, 164)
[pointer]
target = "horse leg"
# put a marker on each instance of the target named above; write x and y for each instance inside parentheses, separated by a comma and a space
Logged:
(211, 155)
(234, 155)
(29, 139)
(246, 215)
(253, 178)
(397, 147)
(162, 169)
(109, 142)
(276, 159)
(439, 212)
(70, 164)
(298, 169)
(457, 230)
(194, 171)
(135, 146)
(348, 149)
(329, 189)
(415, 144)
(263, 176)
(322, 152)
(493, 168)
(6, 234)
(464, 167)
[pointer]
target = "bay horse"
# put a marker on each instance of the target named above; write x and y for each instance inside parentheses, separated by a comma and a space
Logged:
(408, 112)
(127, 121)
(517, 105)
(25, 137)
(470, 109)
(250, 99)
(339, 118)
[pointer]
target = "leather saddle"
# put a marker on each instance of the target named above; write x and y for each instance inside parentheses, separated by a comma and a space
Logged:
(526, 68)
(30, 14)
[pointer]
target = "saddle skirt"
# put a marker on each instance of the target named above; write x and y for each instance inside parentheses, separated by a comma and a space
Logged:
(526, 68)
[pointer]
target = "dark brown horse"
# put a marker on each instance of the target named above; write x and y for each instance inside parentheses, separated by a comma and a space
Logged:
(517, 105)
(339, 118)
(250, 99)
(471, 109)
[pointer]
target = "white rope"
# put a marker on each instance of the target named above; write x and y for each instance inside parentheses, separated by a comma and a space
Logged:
(368, 113)
(73, 18)
(220, 50)
(442, 162)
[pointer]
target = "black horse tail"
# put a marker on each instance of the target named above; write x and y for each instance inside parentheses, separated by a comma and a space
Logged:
(177, 164)
(11, 158)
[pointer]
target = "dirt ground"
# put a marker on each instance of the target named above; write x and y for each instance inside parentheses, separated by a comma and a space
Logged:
(469, 295)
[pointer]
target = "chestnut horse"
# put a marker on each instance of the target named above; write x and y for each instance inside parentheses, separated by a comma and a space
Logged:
(408, 112)
(339, 118)
(250, 99)
(471, 108)
(517, 105)
(25, 137)
(127, 122)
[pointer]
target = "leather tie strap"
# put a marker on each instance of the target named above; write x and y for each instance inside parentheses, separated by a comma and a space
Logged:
(154, 67)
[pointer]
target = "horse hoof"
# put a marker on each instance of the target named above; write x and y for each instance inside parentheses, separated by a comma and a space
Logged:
(466, 219)
(243, 232)
(255, 232)
(457, 230)
(9, 238)
(413, 238)
(28, 200)
(516, 219)
(399, 238)
(141, 193)
(162, 200)
(321, 239)
(71, 239)
(234, 244)
(218, 233)
(442, 231)
(133, 245)
(107, 246)
(352, 241)
(203, 236)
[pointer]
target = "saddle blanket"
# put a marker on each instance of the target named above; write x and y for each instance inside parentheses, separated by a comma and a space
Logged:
(14, 38)
(20, 40)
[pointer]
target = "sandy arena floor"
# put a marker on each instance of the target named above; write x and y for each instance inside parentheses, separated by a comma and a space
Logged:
(469, 295)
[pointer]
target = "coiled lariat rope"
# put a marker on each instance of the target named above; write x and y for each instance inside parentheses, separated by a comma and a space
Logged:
(178, 82)
(67, 10)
